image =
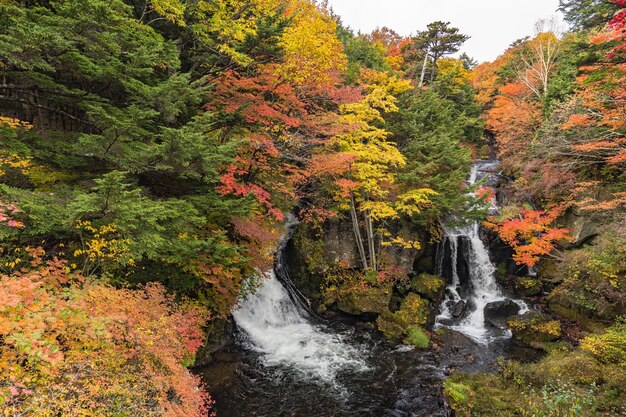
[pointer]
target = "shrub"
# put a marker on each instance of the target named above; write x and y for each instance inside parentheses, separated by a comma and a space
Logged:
(75, 346)
(609, 347)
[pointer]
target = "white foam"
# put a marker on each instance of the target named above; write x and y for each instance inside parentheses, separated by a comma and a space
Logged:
(278, 329)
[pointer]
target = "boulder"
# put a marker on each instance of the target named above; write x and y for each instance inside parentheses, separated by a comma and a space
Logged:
(534, 329)
(429, 286)
(368, 300)
(583, 226)
(458, 309)
(407, 321)
(497, 313)
(414, 311)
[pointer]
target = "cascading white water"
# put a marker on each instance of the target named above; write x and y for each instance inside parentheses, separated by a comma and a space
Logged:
(484, 288)
(283, 333)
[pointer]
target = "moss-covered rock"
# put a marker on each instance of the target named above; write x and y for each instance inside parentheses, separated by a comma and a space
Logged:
(593, 289)
(414, 311)
(534, 329)
(429, 286)
(351, 293)
(389, 325)
(416, 336)
(407, 321)
(364, 300)
(528, 286)
(587, 300)
(550, 271)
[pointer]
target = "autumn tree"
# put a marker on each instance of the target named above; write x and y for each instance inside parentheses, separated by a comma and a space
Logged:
(531, 233)
(539, 57)
(359, 166)
(514, 119)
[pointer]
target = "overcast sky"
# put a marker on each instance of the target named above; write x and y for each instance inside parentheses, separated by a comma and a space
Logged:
(492, 24)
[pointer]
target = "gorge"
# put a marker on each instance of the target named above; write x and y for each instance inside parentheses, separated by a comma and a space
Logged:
(249, 208)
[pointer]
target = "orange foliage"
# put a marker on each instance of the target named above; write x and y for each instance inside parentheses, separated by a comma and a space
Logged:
(260, 237)
(514, 120)
(89, 349)
(531, 234)
(602, 96)
(576, 120)
(485, 78)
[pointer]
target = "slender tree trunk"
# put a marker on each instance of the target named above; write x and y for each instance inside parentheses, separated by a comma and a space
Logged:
(357, 232)
(432, 73)
(424, 68)
(370, 241)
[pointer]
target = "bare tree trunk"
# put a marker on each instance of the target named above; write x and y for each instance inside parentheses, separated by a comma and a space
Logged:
(357, 232)
(424, 68)
(370, 241)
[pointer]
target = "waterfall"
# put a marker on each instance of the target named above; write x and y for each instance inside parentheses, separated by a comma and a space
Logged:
(277, 325)
(483, 288)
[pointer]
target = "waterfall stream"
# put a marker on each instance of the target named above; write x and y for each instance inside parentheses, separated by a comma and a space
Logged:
(277, 324)
(282, 332)
(286, 361)
(483, 288)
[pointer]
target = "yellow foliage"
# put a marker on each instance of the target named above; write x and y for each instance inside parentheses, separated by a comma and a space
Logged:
(313, 53)
(172, 10)
(453, 70)
(609, 347)
(376, 158)
(403, 243)
(414, 201)
(15, 161)
(229, 22)
(100, 244)
(378, 210)
(14, 123)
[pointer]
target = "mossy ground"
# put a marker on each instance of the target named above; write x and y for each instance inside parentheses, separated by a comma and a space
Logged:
(416, 336)
(564, 383)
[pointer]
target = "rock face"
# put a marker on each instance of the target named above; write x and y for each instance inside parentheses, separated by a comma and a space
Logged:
(534, 329)
(497, 313)
(317, 252)
(333, 243)
(217, 335)
(582, 225)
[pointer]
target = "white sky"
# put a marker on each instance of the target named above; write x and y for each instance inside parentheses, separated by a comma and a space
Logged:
(492, 24)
